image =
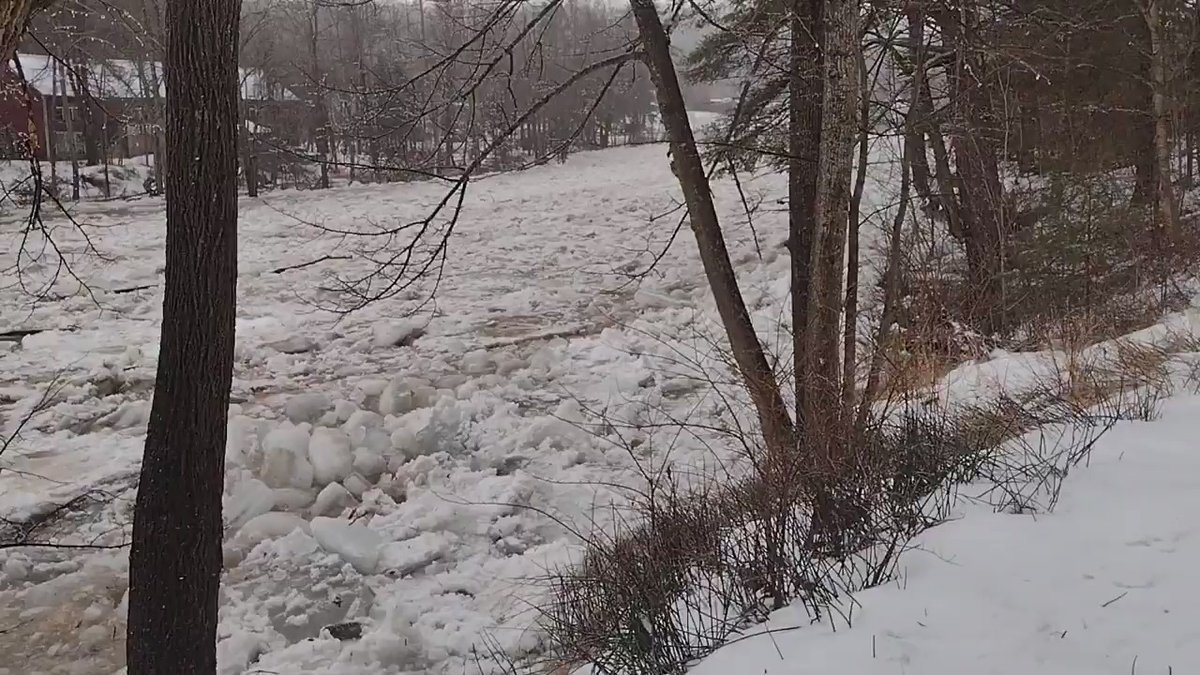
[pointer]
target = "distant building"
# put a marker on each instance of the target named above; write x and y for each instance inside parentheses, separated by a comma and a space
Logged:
(110, 107)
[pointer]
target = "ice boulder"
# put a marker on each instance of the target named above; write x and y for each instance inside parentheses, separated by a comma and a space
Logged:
(331, 456)
(249, 499)
(478, 362)
(296, 344)
(396, 334)
(268, 526)
(404, 395)
(403, 558)
(359, 422)
(307, 407)
(353, 542)
(369, 463)
(356, 485)
(332, 500)
(285, 458)
(405, 443)
(292, 499)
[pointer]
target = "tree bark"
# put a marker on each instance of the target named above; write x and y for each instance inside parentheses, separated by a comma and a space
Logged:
(839, 125)
(175, 561)
(850, 332)
(804, 139)
(1168, 207)
(759, 379)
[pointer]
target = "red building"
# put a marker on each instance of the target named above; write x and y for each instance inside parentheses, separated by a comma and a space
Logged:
(109, 107)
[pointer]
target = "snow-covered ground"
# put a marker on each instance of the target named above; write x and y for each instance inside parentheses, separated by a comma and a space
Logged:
(418, 467)
(1104, 584)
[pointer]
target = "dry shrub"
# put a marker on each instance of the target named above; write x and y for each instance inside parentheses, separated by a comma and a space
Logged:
(704, 564)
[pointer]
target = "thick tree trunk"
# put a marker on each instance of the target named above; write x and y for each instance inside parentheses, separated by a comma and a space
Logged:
(759, 379)
(804, 139)
(175, 561)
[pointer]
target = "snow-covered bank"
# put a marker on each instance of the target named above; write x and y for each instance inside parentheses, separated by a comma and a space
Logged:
(1105, 584)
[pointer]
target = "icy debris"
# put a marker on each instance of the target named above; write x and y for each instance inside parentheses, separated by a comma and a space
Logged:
(356, 485)
(128, 415)
(366, 393)
(370, 464)
(405, 443)
(404, 395)
(106, 381)
(653, 300)
(350, 630)
(285, 458)
(293, 499)
(478, 362)
(307, 407)
(508, 363)
(330, 454)
(296, 344)
(239, 440)
(249, 499)
(359, 422)
(355, 543)
(402, 558)
(15, 569)
(268, 526)
(238, 651)
(332, 500)
(396, 334)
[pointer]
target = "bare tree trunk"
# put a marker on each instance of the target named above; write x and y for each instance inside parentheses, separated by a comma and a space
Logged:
(778, 430)
(824, 443)
(1168, 207)
(850, 332)
(804, 147)
(921, 105)
(839, 126)
(323, 128)
(175, 561)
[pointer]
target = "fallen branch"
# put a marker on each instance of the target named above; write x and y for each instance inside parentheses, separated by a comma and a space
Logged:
(19, 334)
(133, 289)
(281, 270)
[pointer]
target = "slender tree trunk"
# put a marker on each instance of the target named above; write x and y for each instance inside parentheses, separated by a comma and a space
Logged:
(947, 194)
(920, 105)
(850, 332)
(804, 139)
(175, 561)
(323, 127)
(1168, 207)
(778, 430)
(839, 126)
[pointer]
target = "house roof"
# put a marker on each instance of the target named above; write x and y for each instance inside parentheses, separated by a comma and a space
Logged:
(123, 78)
